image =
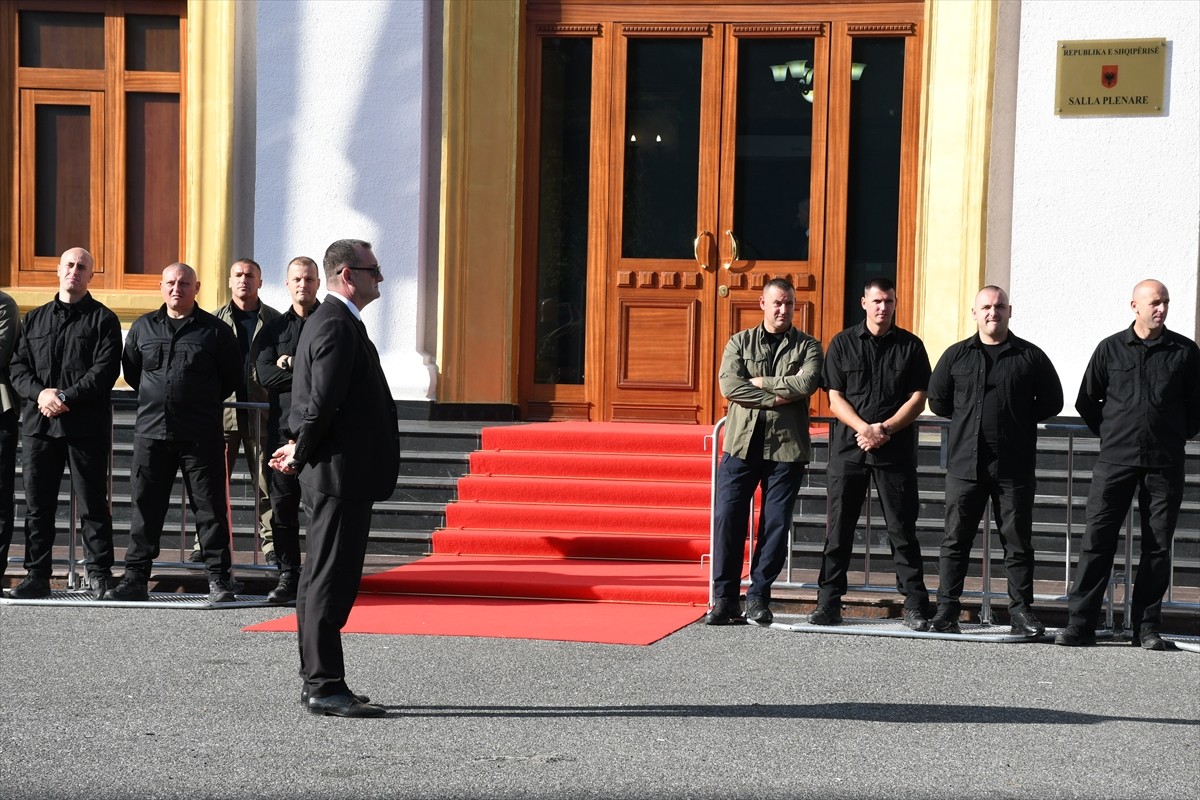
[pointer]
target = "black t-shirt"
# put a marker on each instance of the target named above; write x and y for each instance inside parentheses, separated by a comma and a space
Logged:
(244, 323)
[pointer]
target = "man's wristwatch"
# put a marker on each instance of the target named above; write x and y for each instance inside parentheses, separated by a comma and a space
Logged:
(62, 397)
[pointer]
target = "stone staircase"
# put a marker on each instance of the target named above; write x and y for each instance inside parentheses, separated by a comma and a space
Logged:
(1050, 511)
(435, 454)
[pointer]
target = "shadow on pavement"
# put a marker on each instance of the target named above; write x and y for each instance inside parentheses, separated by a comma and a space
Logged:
(862, 712)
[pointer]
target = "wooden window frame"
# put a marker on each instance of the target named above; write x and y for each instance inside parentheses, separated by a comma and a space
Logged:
(22, 86)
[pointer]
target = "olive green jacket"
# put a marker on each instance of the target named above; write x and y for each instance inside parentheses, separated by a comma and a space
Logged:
(254, 392)
(796, 376)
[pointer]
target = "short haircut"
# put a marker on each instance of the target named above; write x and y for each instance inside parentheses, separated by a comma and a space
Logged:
(305, 260)
(250, 262)
(182, 266)
(879, 282)
(779, 283)
(343, 252)
(993, 288)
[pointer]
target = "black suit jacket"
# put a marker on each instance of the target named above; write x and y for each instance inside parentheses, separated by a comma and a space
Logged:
(343, 417)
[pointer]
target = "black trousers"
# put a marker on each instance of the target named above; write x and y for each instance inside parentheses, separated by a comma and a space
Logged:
(43, 460)
(737, 480)
(285, 511)
(155, 463)
(849, 484)
(1159, 494)
(337, 546)
(8, 474)
(1012, 508)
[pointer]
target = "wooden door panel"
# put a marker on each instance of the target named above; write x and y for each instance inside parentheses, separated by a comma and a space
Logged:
(672, 325)
(661, 257)
(773, 156)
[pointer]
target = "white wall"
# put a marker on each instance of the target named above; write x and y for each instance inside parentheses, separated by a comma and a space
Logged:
(341, 150)
(1100, 203)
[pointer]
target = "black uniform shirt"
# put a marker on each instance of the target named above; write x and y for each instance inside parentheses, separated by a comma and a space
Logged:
(1142, 398)
(877, 375)
(1013, 394)
(278, 337)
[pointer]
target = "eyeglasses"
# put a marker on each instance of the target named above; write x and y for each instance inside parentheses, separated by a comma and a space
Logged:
(375, 271)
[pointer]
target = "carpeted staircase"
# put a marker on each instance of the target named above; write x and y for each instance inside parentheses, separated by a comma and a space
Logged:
(579, 531)
(563, 511)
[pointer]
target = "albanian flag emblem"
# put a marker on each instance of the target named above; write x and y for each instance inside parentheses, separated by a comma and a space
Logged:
(1108, 76)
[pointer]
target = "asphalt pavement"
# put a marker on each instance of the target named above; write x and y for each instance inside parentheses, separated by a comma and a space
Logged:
(143, 703)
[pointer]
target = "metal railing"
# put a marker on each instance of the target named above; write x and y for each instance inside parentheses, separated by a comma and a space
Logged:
(73, 562)
(1122, 569)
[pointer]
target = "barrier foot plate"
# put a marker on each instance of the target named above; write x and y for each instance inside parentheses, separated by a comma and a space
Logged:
(1189, 643)
(867, 626)
(82, 598)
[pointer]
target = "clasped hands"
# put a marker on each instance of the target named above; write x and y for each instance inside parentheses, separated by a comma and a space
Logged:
(281, 459)
(872, 436)
(49, 405)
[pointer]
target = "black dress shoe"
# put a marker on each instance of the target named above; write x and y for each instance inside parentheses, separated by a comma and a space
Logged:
(1024, 623)
(100, 584)
(271, 559)
(915, 618)
(285, 591)
(33, 587)
(130, 589)
(725, 611)
(342, 705)
(362, 698)
(196, 557)
(827, 615)
(758, 611)
(219, 591)
(1076, 636)
(1148, 639)
(945, 621)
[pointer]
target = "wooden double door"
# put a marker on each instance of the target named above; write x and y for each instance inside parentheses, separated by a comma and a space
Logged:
(678, 158)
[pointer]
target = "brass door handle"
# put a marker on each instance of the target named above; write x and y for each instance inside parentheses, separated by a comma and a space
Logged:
(696, 249)
(733, 250)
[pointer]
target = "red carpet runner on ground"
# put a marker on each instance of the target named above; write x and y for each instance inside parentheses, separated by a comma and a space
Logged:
(589, 532)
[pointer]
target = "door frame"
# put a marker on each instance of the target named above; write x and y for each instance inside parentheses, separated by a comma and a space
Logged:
(597, 20)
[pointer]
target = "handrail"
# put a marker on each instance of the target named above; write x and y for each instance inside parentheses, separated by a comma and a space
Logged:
(74, 576)
(1123, 576)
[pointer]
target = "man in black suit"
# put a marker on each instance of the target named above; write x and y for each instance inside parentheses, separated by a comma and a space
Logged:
(344, 443)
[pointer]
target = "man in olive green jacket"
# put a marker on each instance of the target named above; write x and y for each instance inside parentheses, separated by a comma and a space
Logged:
(246, 314)
(767, 374)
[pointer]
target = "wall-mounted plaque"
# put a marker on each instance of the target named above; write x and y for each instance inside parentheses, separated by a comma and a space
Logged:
(1111, 78)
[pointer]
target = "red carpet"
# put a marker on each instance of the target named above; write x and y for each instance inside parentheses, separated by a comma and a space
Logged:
(589, 532)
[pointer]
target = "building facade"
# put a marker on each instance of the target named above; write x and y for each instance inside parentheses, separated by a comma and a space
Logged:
(575, 203)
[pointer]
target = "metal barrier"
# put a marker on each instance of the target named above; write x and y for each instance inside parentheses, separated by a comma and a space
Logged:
(1122, 572)
(73, 562)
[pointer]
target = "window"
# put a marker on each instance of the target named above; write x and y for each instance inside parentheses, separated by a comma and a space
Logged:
(95, 110)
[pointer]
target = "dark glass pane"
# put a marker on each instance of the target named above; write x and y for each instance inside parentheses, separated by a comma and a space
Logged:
(62, 183)
(58, 40)
(662, 147)
(774, 149)
(873, 204)
(566, 122)
(152, 182)
(151, 43)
